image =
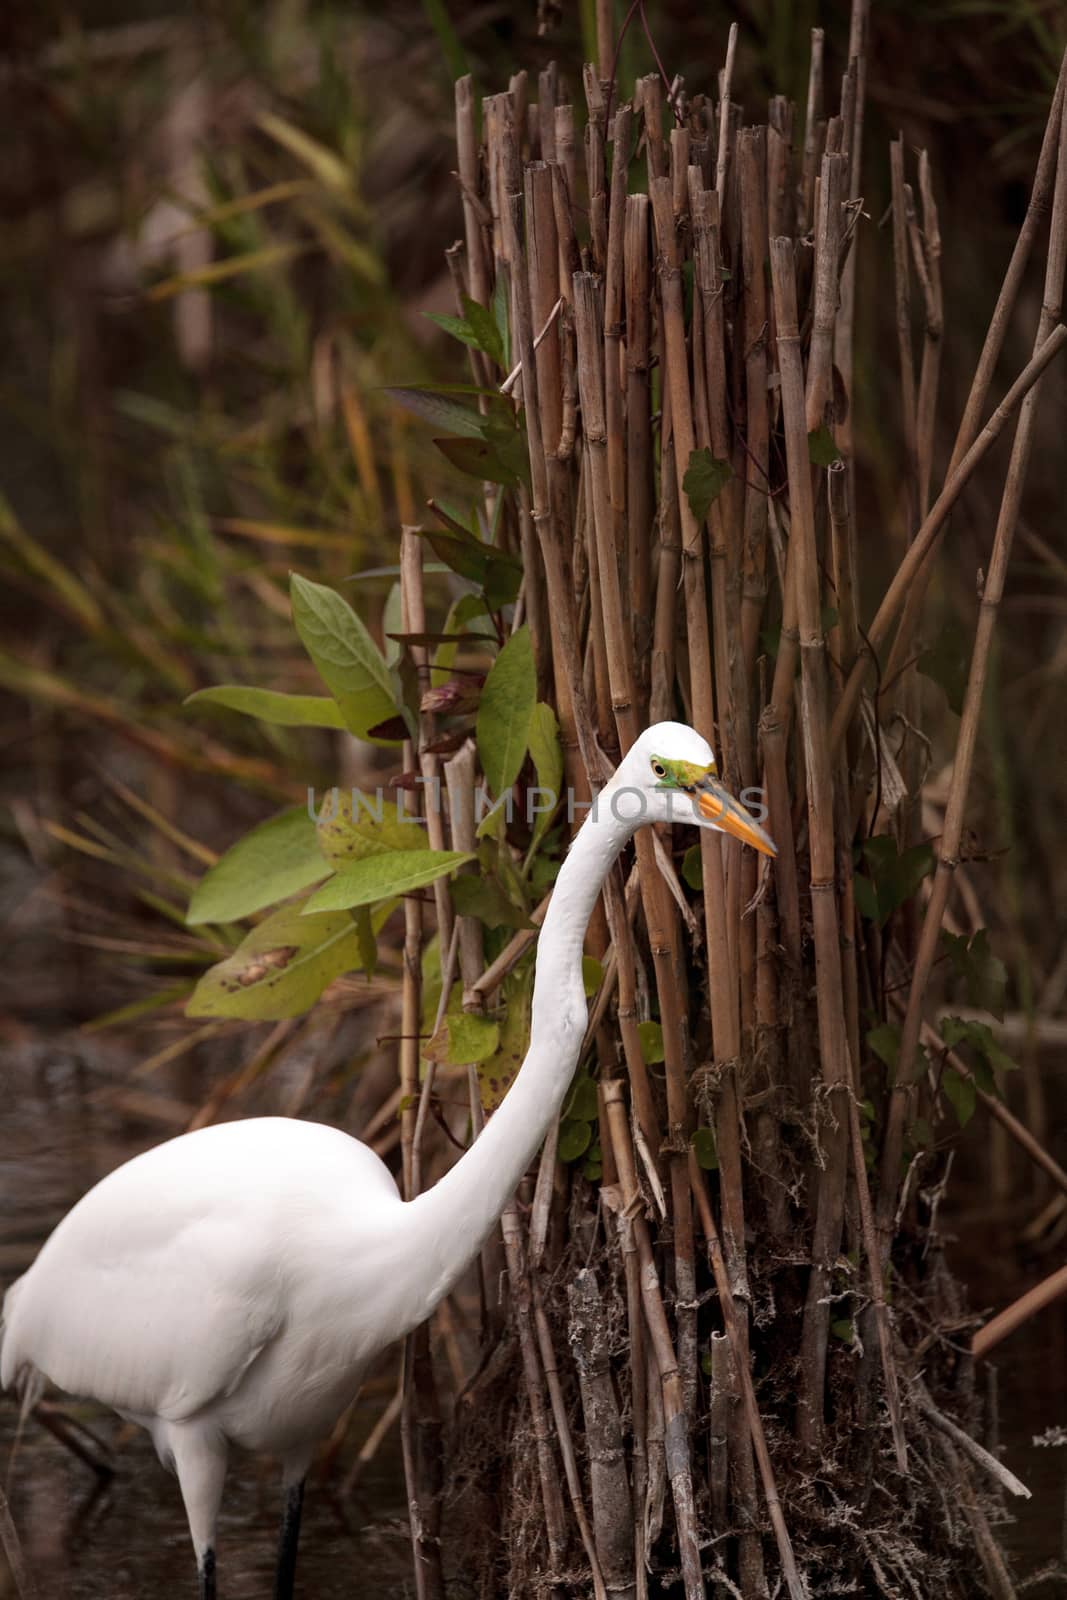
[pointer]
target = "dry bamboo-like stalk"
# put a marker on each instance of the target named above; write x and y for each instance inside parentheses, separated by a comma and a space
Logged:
(660, 916)
(933, 527)
(752, 173)
(470, 187)
(570, 1464)
(812, 152)
(903, 310)
(994, 341)
(523, 1313)
(656, 608)
(992, 591)
(608, 1478)
(639, 466)
(833, 1047)
(1028, 1305)
(926, 254)
(679, 1470)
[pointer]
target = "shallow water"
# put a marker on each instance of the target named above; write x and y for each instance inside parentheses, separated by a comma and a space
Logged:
(128, 1540)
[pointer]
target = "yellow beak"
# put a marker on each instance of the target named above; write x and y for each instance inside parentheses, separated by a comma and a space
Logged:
(722, 811)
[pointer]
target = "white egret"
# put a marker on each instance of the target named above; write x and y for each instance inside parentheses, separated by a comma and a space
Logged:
(231, 1286)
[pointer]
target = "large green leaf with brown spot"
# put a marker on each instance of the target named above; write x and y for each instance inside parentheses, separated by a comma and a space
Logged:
(280, 969)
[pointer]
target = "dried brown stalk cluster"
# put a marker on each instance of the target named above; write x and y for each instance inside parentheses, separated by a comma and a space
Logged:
(681, 295)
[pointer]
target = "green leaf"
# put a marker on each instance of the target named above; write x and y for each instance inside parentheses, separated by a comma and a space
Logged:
(278, 859)
(348, 660)
(479, 459)
(884, 1042)
(894, 876)
(376, 827)
(692, 872)
(465, 609)
(509, 696)
(496, 572)
(384, 876)
(581, 1101)
(280, 710)
(463, 1039)
(482, 324)
(392, 622)
(651, 1037)
(574, 1139)
(592, 976)
(960, 1094)
(458, 327)
(280, 969)
(843, 1329)
(484, 898)
(984, 975)
(368, 944)
(822, 450)
(705, 479)
(980, 1036)
(921, 1133)
(947, 663)
(704, 1148)
(547, 755)
(440, 412)
(497, 1074)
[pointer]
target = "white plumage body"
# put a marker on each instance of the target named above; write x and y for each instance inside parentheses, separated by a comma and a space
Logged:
(233, 1277)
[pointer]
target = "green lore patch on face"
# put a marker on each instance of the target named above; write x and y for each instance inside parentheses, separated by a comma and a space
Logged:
(678, 774)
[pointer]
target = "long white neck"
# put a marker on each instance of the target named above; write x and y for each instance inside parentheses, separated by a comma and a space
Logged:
(453, 1219)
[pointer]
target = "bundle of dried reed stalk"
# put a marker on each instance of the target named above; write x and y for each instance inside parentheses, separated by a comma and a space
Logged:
(742, 1408)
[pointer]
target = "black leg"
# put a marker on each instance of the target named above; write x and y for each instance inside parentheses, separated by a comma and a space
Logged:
(207, 1574)
(287, 1543)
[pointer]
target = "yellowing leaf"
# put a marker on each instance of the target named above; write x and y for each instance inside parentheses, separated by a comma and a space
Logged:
(372, 829)
(280, 969)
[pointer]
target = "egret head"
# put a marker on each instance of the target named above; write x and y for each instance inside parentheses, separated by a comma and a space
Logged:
(668, 775)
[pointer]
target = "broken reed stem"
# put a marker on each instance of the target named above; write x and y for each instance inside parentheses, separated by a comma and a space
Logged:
(952, 828)
(926, 253)
(932, 528)
(722, 162)
(902, 300)
(519, 1281)
(566, 1443)
(811, 135)
(609, 1487)
(1021, 1310)
(676, 1441)
(734, 1325)
(833, 1050)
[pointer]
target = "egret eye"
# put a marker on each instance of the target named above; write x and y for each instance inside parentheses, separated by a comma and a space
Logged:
(659, 769)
